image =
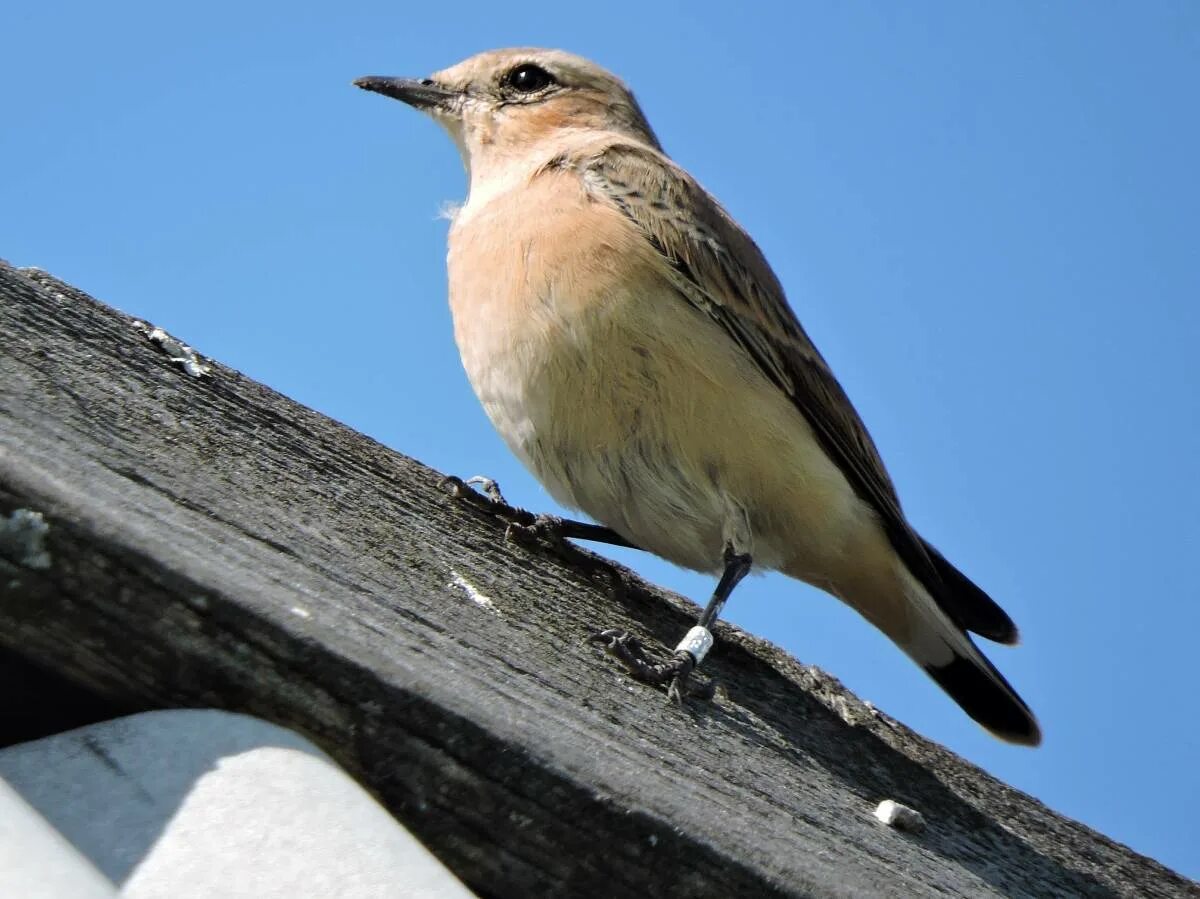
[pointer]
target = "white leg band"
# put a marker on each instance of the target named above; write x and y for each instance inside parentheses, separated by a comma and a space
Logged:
(697, 642)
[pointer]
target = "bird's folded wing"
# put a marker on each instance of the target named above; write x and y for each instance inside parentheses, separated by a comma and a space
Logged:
(719, 269)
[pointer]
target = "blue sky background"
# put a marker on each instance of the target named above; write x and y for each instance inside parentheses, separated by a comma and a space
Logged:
(985, 214)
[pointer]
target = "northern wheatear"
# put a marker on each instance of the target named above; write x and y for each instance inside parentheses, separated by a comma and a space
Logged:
(634, 349)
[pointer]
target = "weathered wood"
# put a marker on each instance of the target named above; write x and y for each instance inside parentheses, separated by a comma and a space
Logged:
(215, 544)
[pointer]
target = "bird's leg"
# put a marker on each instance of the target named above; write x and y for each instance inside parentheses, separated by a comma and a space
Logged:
(580, 530)
(522, 522)
(691, 650)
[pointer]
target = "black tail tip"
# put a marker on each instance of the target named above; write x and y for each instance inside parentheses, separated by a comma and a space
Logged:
(988, 698)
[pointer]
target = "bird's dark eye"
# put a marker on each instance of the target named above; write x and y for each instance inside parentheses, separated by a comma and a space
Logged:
(528, 78)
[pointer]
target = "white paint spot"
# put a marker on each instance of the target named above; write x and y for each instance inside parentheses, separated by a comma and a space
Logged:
(473, 593)
(899, 816)
(22, 539)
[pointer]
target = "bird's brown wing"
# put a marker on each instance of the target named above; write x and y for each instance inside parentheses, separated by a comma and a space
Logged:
(719, 269)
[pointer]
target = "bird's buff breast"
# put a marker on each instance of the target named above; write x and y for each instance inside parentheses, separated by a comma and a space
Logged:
(615, 392)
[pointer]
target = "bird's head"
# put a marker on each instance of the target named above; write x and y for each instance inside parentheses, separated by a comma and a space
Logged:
(505, 104)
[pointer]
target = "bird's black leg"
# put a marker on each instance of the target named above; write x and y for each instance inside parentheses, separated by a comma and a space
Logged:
(692, 649)
(582, 530)
(520, 521)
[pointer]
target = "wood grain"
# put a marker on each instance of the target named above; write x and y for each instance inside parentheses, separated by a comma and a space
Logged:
(216, 544)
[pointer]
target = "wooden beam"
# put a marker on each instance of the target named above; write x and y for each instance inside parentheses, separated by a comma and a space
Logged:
(212, 543)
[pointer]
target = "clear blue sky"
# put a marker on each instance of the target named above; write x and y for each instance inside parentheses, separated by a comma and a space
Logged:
(987, 215)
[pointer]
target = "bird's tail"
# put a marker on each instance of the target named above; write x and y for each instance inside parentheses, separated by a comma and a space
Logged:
(949, 656)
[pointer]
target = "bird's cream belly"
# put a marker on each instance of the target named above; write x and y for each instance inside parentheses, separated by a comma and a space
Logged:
(682, 447)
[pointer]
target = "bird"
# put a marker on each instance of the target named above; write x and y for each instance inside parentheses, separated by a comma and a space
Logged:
(634, 349)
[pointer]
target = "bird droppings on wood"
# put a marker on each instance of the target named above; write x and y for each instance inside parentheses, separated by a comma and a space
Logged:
(900, 816)
(473, 593)
(177, 351)
(23, 539)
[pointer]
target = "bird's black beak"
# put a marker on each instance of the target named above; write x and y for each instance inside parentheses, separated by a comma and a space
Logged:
(420, 93)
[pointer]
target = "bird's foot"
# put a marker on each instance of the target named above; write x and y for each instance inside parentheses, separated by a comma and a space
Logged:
(489, 487)
(540, 528)
(489, 499)
(522, 526)
(676, 673)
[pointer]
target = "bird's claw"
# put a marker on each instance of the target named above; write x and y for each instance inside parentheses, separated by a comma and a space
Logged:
(539, 529)
(487, 496)
(520, 526)
(676, 673)
(681, 685)
(487, 499)
(489, 486)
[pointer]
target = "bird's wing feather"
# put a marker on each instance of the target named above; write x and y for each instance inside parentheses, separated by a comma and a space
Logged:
(719, 269)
